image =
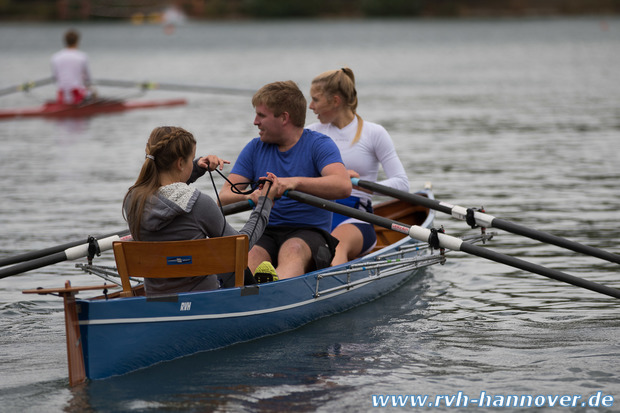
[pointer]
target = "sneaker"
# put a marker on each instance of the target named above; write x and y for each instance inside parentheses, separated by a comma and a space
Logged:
(265, 273)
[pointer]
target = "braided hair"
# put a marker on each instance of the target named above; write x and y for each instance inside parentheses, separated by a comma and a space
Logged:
(165, 146)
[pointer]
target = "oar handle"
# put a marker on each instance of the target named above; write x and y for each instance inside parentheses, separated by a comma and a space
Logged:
(237, 207)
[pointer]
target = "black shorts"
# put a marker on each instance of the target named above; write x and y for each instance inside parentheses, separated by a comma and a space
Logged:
(321, 243)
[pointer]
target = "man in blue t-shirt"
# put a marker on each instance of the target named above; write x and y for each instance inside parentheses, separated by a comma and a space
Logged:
(297, 239)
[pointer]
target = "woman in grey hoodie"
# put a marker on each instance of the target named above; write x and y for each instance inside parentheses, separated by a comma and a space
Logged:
(161, 206)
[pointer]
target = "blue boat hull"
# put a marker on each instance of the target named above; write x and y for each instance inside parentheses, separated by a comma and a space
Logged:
(122, 335)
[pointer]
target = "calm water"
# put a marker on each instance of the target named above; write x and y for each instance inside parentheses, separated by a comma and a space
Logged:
(520, 117)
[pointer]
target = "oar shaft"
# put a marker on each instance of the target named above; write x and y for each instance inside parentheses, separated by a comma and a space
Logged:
(537, 269)
(402, 195)
(446, 241)
(344, 210)
(71, 253)
(79, 249)
(175, 87)
(449, 242)
(26, 86)
(488, 221)
(33, 264)
(555, 240)
(51, 250)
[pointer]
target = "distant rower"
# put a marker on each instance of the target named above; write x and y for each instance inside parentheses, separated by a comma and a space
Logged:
(70, 70)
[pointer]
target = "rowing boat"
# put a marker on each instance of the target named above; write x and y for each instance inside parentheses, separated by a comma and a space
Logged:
(88, 108)
(111, 335)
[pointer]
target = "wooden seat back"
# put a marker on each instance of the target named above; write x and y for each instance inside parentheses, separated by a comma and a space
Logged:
(172, 259)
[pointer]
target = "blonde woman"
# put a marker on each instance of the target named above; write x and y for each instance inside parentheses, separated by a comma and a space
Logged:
(364, 147)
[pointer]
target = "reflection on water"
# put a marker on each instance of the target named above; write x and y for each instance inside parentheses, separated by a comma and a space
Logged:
(518, 116)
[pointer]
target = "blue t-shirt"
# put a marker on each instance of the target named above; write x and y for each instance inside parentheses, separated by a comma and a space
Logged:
(308, 157)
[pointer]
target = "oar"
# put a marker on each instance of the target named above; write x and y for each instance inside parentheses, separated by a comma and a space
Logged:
(31, 255)
(26, 86)
(175, 87)
(449, 242)
(487, 221)
(72, 253)
(80, 249)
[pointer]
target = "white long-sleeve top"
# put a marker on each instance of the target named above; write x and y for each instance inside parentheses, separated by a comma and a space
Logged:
(70, 69)
(374, 148)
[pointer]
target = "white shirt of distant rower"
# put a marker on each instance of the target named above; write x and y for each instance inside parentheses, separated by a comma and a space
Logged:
(373, 148)
(70, 69)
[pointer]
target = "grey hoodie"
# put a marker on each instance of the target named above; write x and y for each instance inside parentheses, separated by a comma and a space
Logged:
(181, 212)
